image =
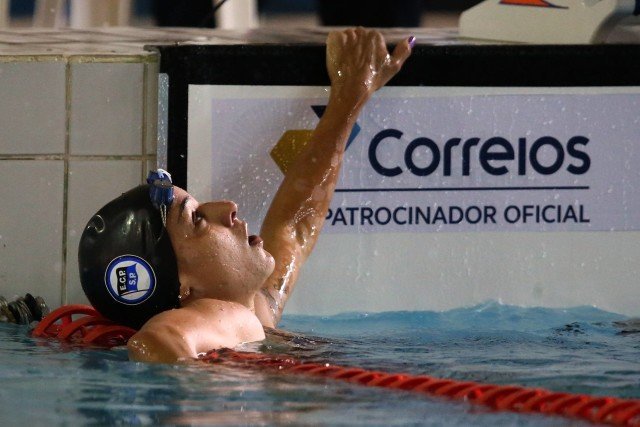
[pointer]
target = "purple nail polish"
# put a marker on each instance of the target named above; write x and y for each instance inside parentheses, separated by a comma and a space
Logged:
(412, 41)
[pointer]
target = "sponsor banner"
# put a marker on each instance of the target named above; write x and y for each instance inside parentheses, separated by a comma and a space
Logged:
(425, 160)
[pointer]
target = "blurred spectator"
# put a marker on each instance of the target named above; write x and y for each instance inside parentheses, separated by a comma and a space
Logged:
(371, 13)
(184, 13)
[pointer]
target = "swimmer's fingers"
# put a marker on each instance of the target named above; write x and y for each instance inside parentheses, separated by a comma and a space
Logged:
(336, 41)
(359, 62)
(379, 47)
(394, 62)
(386, 65)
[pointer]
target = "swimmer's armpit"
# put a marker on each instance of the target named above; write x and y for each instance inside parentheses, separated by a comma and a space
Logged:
(273, 304)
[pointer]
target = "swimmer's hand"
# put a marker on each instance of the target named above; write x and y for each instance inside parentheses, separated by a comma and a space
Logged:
(359, 63)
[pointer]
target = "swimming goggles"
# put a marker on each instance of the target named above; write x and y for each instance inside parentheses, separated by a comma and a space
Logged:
(160, 191)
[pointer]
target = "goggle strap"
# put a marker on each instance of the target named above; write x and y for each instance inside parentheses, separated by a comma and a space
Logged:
(160, 191)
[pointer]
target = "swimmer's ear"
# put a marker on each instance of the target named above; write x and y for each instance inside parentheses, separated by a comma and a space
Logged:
(185, 292)
(186, 285)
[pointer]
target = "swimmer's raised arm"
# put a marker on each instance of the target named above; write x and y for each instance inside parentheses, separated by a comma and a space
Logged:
(358, 64)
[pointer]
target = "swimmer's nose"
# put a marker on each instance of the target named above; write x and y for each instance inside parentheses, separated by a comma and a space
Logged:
(225, 211)
(233, 213)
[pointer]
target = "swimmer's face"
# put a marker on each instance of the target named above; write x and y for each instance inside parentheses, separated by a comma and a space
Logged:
(216, 256)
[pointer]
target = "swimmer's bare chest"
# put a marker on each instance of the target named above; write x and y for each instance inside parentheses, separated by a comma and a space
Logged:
(209, 324)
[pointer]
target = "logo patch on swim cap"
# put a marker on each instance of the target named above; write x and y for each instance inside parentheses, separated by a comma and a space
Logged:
(130, 279)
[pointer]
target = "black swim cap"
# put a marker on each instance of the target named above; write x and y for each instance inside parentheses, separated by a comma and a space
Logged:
(128, 268)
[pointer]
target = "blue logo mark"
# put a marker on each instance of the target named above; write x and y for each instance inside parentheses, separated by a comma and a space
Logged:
(319, 110)
(130, 279)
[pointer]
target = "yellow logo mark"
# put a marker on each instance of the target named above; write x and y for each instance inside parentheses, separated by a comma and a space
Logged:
(292, 142)
(288, 147)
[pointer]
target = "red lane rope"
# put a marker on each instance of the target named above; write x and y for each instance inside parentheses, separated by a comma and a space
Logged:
(90, 329)
(96, 330)
(610, 410)
(50, 326)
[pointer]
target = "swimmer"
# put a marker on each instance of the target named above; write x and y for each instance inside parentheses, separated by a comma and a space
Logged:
(189, 274)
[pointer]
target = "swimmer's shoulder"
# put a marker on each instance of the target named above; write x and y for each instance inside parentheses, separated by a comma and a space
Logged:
(229, 319)
(203, 325)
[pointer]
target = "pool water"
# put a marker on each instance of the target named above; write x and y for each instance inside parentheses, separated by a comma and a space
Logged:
(580, 350)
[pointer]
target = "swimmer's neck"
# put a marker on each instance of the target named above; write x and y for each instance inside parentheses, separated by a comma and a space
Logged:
(197, 301)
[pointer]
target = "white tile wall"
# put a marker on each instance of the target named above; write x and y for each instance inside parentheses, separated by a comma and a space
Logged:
(31, 223)
(75, 131)
(92, 184)
(32, 106)
(150, 165)
(106, 107)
